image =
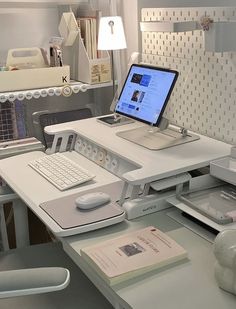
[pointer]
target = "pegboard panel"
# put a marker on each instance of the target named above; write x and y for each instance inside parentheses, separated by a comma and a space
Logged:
(204, 100)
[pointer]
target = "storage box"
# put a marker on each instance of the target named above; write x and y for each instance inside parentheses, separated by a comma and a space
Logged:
(224, 169)
(34, 78)
(93, 71)
(84, 69)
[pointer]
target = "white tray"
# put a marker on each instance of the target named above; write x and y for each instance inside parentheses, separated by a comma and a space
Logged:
(224, 169)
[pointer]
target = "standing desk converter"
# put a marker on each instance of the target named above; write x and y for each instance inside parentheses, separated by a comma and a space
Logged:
(187, 285)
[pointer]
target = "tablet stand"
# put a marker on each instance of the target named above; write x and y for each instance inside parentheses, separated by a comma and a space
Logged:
(161, 137)
(114, 120)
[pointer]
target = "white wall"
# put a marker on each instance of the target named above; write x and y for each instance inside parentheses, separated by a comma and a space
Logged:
(130, 15)
(26, 27)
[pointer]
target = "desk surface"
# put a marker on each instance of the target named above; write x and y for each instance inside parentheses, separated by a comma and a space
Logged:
(187, 285)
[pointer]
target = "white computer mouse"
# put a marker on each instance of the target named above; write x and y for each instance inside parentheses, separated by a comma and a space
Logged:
(92, 200)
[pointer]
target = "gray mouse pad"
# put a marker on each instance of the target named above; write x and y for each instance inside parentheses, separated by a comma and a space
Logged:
(65, 213)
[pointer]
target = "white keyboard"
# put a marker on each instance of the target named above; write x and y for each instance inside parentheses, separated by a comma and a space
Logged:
(62, 172)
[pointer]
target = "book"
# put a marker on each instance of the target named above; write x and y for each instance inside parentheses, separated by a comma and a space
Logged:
(133, 254)
(88, 21)
(86, 34)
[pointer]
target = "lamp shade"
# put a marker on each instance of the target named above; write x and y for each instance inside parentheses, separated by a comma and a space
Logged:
(111, 34)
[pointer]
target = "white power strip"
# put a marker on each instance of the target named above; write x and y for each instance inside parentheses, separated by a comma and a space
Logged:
(147, 204)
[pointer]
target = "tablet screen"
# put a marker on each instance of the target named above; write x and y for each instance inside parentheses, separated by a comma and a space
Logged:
(145, 93)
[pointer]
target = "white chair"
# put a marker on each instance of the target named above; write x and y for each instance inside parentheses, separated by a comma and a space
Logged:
(29, 281)
(44, 268)
(28, 274)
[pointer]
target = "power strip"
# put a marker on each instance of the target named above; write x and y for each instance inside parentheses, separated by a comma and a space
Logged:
(147, 204)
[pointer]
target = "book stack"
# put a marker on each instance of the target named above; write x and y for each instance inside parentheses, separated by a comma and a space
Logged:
(88, 23)
(133, 254)
(88, 30)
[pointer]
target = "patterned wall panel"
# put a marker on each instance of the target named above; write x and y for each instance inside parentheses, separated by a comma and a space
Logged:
(204, 99)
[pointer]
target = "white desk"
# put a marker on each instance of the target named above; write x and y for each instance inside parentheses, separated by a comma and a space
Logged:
(149, 165)
(189, 285)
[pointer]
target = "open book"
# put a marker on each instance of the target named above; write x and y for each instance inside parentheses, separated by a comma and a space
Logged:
(133, 254)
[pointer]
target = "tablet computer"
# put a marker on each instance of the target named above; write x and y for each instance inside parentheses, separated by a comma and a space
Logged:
(145, 93)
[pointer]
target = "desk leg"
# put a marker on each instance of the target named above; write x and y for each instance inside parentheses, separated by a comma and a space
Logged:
(146, 189)
(5, 243)
(123, 193)
(135, 192)
(21, 223)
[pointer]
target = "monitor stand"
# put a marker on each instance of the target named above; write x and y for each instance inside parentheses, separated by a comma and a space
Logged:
(155, 138)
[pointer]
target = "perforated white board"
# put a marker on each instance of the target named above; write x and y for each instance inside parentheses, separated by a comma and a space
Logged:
(204, 99)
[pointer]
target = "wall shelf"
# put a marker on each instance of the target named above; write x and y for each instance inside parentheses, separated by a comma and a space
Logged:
(67, 90)
(160, 26)
(219, 37)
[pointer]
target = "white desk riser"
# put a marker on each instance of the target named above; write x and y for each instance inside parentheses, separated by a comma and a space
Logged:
(154, 164)
(188, 285)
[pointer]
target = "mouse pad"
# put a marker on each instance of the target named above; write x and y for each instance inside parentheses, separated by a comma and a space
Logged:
(65, 213)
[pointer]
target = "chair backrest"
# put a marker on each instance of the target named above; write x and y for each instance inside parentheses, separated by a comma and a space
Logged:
(49, 118)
